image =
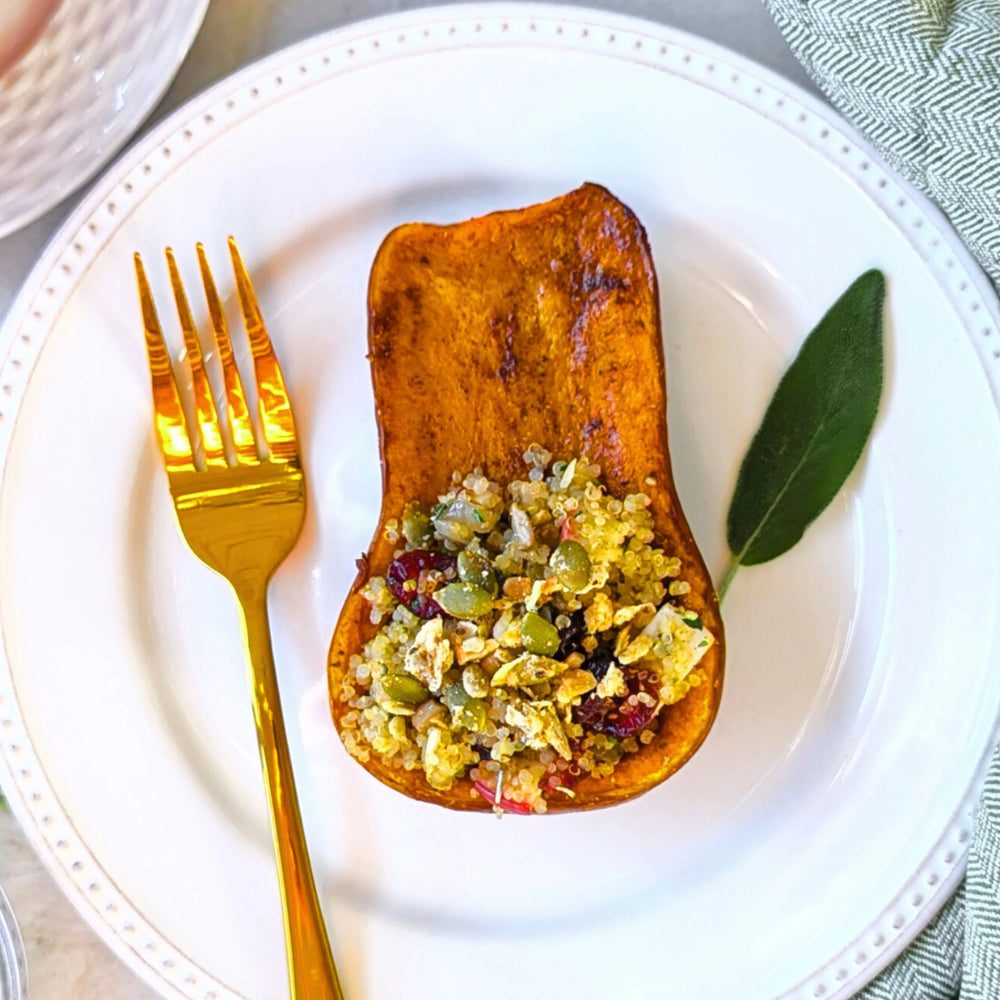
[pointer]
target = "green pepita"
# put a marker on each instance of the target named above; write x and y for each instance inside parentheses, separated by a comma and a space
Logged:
(538, 636)
(464, 600)
(466, 711)
(401, 687)
(571, 565)
(474, 567)
(417, 527)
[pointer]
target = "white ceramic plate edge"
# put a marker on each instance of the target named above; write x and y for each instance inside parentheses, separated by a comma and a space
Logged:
(99, 213)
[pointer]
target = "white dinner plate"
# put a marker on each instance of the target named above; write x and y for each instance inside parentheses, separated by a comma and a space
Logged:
(86, 84)
(826, 818)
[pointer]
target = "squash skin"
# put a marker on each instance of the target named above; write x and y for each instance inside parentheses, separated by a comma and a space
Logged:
(535, 325)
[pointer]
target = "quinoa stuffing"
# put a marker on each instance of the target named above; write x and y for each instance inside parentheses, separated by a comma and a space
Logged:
(527, 637)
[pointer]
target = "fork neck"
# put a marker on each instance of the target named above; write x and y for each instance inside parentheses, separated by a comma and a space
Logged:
(251, 588)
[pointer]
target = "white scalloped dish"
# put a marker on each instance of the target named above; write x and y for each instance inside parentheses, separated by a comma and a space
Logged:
(825, 819)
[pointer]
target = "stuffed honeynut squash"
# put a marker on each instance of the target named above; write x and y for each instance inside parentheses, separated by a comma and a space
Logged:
(533, 628)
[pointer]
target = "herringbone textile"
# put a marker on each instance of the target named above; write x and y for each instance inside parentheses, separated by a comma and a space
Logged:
(921, 79)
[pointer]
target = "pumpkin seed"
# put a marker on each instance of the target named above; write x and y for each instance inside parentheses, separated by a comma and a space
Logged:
(538, 635)
(464, 600)
(401, 687)
(467, 712)
(474, 567)
(571, 565)
(417, 527)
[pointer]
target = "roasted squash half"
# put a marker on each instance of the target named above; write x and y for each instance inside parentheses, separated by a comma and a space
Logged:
(535, 325)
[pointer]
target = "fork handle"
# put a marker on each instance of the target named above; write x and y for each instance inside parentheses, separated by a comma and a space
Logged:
(311, 971)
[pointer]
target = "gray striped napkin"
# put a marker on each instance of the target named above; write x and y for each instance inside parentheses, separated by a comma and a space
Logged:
(921, 79)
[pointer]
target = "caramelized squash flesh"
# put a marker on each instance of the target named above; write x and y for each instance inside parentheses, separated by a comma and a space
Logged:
(535, 325)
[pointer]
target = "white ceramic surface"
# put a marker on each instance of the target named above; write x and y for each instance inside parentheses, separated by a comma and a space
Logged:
(73, 100)
(21, 22)
(823, 821)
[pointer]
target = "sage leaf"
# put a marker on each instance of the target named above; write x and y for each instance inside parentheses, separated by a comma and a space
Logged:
(814, 430)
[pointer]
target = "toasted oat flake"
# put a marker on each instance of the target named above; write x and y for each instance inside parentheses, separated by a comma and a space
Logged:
(429, 655)
(638, 648)
(600, 615)
(625, 615)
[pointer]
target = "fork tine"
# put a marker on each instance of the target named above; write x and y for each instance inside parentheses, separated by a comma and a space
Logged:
(275, 407)
(236, 400)
(171, 428)
(204, 405)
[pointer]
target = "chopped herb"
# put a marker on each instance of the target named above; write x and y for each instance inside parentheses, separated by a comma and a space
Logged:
(704, 642)
(439, 510)
(694, 622)
(478, 515)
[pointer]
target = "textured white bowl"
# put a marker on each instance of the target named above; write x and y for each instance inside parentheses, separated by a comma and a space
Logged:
(95, 71)
(21, 22)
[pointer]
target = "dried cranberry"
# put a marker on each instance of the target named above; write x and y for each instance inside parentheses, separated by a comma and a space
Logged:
(599, 661)
(572, 635)
(415, 575)
(620, 717)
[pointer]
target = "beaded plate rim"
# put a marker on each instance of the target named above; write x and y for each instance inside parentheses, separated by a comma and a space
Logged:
(344, 50)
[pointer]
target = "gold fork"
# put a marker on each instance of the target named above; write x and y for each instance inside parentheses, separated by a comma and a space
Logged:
(242, 516)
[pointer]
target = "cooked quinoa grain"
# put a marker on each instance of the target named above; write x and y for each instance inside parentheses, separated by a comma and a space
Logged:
(528, 636)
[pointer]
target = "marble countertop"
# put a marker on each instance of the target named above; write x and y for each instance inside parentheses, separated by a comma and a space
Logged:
(66, 959)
